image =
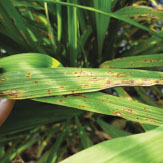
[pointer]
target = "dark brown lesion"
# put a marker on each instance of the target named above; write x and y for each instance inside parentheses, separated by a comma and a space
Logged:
(35, 82)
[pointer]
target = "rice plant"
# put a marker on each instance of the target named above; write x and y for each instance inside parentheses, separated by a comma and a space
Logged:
(80, 81)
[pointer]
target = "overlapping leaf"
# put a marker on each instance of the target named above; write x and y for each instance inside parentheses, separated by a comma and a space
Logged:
(154, 60)
(40, 82)
(141, 11)
(110, 105)
(114, 15)
(25, 117)
(146, 147)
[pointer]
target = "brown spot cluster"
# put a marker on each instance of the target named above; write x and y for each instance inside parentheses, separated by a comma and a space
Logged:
(13, 93)
(82, 73)
(61, 86)
(148, 60)
(128, 82)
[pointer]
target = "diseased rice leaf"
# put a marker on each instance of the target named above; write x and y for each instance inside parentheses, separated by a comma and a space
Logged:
(140, 10)
(110, 105)
(114, 15)
(153, 60)
(40, 82)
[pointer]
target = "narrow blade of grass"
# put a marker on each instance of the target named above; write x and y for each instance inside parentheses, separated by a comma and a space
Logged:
(102, 22)
(85, 140)
(114, 15)
(73, 34)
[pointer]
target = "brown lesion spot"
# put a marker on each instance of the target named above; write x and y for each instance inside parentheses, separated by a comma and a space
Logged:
(28, 75)
(149, 120)
(61, 101)
(49, 91)
(82, 73)
(3, 79)
(86, 86)
(95, 79)
(129, 111)
(118, 114)
(148, 60)
(82, 106)
(36, 82)
(13, 93)
(108, 82)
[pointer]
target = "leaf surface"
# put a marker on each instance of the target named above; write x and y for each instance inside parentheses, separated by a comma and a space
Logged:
(145, 147)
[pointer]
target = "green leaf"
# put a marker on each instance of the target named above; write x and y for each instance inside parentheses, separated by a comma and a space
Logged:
(28, 114)
(110, 105)
(153, 60)
(15, 151)
(102, 22)
(142, 11)
(147, 46)
(85, 139)
(110, 130)
(27, 61)
(55, 147)
(73, 26)
(146, 147)
(40, 82)
(59, 22)
(50, 29)
(114, 15)
(20, 26)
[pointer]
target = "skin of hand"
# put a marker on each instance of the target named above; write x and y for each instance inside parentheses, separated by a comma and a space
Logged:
(6, 105)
